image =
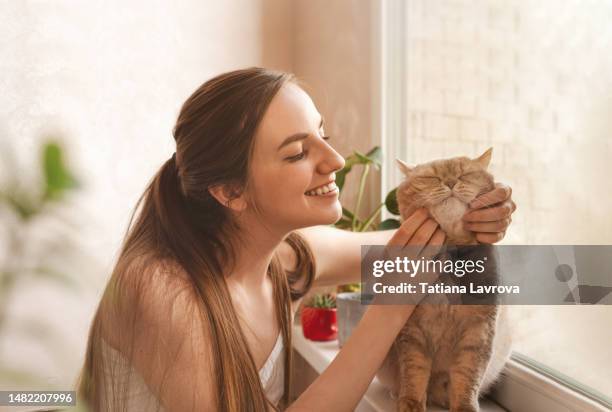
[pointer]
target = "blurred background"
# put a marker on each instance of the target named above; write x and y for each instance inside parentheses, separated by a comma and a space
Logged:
(89, 92)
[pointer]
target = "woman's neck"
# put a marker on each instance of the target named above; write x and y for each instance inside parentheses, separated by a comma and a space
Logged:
(254, 252)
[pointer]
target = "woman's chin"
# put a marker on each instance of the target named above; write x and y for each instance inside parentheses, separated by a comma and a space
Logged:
(327, 217)
(333, 216)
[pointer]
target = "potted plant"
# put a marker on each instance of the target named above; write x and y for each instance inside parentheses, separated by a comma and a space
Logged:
(27, 209)
(350, 220)
(350, 308)
(319, 318)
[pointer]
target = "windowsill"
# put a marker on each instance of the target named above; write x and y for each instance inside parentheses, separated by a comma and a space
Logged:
(521, 388)
(320, 354)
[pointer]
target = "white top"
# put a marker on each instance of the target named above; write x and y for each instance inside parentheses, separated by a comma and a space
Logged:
(272, 373)
(140, 398)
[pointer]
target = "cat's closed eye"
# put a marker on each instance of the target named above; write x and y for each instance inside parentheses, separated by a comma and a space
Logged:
(470, 175)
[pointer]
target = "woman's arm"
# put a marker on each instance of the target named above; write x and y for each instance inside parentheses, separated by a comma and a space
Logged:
(341, 386)
(338, 252)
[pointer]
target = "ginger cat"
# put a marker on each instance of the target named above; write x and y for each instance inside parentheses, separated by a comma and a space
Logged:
(446, 354)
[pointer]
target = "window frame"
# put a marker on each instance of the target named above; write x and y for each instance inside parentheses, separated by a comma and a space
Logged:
(522, 385)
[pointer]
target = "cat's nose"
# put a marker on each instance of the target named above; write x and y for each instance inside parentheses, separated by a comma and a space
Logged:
(450, 183)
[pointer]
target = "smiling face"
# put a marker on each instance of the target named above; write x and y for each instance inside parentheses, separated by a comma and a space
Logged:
(293, 164)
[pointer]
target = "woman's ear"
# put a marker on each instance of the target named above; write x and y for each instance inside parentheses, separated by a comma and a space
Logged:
(228, 197)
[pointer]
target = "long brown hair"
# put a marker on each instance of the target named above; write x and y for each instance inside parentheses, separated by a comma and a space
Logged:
(179, 221)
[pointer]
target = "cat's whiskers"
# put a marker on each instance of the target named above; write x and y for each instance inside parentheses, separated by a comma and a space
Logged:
(465, 194)
(438, 197)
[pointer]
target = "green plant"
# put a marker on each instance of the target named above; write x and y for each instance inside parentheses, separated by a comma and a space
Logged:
(323, 301)
(350, 219)
(26, 209)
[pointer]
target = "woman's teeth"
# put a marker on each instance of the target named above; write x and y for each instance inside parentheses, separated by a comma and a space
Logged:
(322, 190)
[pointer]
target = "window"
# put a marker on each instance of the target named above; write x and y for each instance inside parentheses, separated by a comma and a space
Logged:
(533, 79)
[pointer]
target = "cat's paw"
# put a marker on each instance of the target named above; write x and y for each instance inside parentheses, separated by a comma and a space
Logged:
(410, 405)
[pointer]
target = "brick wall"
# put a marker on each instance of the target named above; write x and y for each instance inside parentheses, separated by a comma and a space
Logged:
(533, 79)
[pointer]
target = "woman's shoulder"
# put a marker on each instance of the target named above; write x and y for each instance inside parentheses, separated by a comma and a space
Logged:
(163, 332)
(155, 274)
(148, 293)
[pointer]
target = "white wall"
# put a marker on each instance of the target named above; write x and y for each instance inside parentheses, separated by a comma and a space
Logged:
(109, 78)
(332, 53)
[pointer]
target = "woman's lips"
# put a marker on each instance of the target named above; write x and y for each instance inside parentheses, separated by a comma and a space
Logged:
(331, 193)
(319, 191)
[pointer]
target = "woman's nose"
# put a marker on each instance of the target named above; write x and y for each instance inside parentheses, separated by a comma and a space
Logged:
(331, 162)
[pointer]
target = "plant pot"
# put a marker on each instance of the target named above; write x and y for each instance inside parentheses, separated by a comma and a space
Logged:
(319, 324)
(350, 311)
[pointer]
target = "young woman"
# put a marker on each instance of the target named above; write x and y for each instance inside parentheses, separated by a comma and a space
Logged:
(230, 234)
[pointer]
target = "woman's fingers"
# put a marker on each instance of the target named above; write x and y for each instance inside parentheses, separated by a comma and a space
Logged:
(423, 233)
(408, 228)
(492, 214)
(435, 243)
(500, 193)
(490, 237)
(421, 238)
(438, 238)
(488, 227)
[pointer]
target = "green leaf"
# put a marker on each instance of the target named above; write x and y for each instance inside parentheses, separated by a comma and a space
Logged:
(343, 224)
(347, 213)
(341, 177)
(326, 300)
(371, 158)
(389, 224)
(57, 177)
(349, 162)
(376, 156)
(391, 202)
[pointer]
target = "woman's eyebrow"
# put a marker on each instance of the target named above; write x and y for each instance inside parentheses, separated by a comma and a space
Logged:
(293, 138)
(297, 136)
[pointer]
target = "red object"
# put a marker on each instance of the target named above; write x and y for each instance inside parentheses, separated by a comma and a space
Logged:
(319, 324)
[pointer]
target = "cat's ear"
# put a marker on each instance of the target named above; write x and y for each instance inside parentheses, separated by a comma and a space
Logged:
(485, 158)
(404, 167)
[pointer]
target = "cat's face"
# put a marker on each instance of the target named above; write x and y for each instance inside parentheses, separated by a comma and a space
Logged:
(462, 178)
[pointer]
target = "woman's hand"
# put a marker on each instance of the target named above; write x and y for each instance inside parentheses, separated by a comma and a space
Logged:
(418, 236)
(419, 229)
(490, 214)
